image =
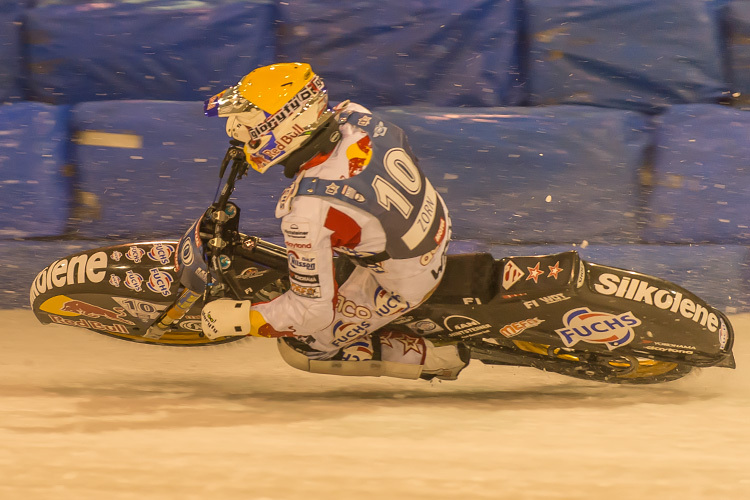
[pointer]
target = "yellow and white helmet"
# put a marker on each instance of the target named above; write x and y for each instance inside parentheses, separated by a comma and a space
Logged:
(274, 110)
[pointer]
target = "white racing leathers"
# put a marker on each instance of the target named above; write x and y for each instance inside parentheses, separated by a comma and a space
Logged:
(367, 198)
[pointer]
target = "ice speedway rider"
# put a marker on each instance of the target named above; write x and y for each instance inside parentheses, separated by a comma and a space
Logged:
(357, 192)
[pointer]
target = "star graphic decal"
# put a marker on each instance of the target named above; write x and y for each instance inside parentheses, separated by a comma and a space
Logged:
(410, 343)
(534, 273)
(555, 270)
(332, 189)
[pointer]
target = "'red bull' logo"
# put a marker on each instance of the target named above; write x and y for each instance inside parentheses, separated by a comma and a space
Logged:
(63, 305)
(612, 330)
(92, 311)
(359, 155)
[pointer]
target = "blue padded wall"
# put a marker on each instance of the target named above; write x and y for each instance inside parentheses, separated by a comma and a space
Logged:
(149, 168)
(738, 47)
(701, 179)
(35, 192)
(550, 174)
(393, 52)
(10, 51)
(631, 54)
(156, 50)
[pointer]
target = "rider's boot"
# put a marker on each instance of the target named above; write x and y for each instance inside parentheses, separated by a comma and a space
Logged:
(445, 362)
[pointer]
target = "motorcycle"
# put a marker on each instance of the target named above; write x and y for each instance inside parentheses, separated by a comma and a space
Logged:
(555, 312)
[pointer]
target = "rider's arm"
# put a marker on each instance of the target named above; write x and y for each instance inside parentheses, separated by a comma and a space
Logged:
(309, 305)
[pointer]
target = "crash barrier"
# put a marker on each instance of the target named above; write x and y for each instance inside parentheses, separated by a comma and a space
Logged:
(510, 175)
(395, 53)
(640, 55)
(154, 50)
(388, 53)
(149, 168)
(10, 51)
(737, 33)
(700, 184)
(551, 174)
(35, 185)
(630, 54)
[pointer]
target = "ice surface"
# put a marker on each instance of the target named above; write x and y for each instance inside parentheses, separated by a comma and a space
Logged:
(84, 416)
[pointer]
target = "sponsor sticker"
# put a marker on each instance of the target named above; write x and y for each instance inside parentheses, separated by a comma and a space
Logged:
(312, 89)
(581, 275)
(463, 326)
(66, 306)
(304, 279)
(424, 326)
(251, 272)
(723, 335)
(135, 254)
(299, 230)
(669, 347)
(639, 290)
(612, 330)
(141, 309)
(519, 327)
(76, 270)
(387, 303)
(89, 324)
(187, 256)
(554, 271)
(344, 331)
(161, 253)
(134, 281)
(351, 309)
(190, 325)
(380, 130)
(159, 282)
(534, 273)
(512, 274)
(549, 299)
(310, 292)
(359, 153)
(299, 261)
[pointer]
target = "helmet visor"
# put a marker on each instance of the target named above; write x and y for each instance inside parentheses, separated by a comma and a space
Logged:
(227, 102)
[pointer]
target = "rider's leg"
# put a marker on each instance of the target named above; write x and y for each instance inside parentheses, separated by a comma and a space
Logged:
(381, 356)
(349, 347)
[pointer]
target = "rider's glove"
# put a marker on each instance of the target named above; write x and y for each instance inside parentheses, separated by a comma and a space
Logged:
(226, 318)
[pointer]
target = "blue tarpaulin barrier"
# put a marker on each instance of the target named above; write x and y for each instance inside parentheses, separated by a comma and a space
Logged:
(35, 191)
(738, 48)
(10, 52)
(554, 174)
(701, 178)
(150, 168)
(102, 51)
(633, 54)
(392, 52)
